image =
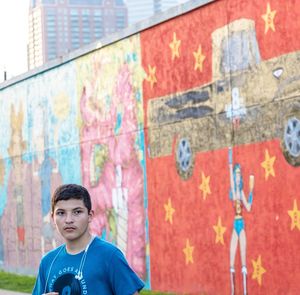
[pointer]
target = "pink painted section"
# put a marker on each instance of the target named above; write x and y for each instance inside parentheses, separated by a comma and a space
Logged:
(119, 141)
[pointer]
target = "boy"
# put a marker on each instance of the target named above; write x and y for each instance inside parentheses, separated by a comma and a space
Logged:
(84, 264)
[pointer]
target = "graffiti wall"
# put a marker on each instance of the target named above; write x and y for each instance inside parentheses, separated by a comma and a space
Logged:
(81, 123)
(187, 136)
(222, 106)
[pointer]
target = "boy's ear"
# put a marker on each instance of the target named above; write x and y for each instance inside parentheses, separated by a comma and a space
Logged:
(91, 215)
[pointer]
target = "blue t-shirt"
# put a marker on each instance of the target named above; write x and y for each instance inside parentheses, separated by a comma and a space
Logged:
(104, 268)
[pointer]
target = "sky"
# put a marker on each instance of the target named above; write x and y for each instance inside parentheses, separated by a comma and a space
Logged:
(14, 37)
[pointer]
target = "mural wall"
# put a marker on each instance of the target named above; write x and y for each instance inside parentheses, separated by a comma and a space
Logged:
(222, 107)
(186, 134)
(82, 123)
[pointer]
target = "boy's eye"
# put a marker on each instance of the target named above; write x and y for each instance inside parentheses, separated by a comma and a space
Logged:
(60, 213)
(77, 212)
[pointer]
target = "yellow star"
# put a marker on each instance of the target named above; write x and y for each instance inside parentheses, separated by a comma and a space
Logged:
(220, 230)
(169, 211)
(199, 58)
(295, 216)
(258, 270)
(268, 17)
(174, 45)
(188, 252)
(268, 164)
(204, 186)
(151, 77)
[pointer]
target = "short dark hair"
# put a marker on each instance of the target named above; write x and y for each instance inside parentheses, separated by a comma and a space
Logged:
(71, 191)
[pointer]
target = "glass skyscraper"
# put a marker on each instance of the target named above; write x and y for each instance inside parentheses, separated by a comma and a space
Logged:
(139, 10)
(59, 26)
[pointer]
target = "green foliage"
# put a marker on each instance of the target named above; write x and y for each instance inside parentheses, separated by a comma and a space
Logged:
(21, 283)
(13, 282)
(147, 292)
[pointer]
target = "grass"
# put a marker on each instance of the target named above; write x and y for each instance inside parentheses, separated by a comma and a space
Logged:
(21, 283)
(13, 282)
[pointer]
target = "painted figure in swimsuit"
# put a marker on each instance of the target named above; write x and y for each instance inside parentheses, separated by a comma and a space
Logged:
(237, 196)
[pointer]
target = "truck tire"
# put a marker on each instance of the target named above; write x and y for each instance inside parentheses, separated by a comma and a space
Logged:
(290, 142)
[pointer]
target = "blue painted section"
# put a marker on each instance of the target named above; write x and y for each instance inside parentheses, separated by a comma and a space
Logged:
(141, 144)
(3, 200)
(3, 188)
(240, 51)
(118, 123)
(69, 164)
(45, 178)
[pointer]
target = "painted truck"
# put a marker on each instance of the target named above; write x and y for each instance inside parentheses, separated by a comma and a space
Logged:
(220, 107)
(223, 116)
(185, 129)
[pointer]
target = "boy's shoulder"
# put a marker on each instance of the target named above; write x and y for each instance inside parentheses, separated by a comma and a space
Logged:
(105, 249)
(103, 245)
(106, 253)
(49, 256)
(99, 245)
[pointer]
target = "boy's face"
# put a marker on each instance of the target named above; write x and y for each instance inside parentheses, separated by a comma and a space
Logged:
(72, 219)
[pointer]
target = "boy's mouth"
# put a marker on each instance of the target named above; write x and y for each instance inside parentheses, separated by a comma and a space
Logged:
(69, 228)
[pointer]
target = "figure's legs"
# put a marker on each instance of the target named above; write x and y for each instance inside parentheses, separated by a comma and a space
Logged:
(233, 247)
(232, 280)
(243, 258)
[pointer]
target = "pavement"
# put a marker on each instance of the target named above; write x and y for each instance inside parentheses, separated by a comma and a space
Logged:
(6, 292)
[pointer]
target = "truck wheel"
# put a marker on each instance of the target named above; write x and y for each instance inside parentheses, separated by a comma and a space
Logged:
(184, 158)
(291, 140)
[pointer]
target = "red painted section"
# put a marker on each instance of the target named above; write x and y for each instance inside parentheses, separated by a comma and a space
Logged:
(268, 225)
(176, 75)
(196, 27)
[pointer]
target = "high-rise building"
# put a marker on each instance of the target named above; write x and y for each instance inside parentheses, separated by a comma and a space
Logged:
(141, 9)
(162, 5)
(59, 26)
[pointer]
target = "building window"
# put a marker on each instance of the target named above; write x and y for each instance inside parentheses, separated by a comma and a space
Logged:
(86, 29)
(85, 12)
(74, 26)
(85, 2)
(98, 19)
(120, 12)
(75, 39)
(50, 12)
(86, 39)
(119, 2)
(98, 34)
(97, 25)
(120, 24)
(49, 1)
(75, 31)
(51, 34)
(120, 19)
(51, 27)
(75, 45)
(85, 22)
(97, 12)
(51, 55)
(73, 12)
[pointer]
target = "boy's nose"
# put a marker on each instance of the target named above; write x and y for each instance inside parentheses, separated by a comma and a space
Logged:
(69, 218)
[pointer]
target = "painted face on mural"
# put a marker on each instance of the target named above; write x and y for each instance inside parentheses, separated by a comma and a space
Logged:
(238, 176)
(72, 219)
